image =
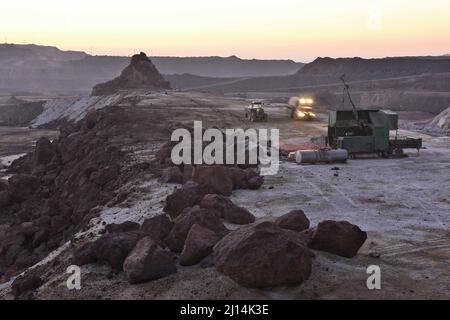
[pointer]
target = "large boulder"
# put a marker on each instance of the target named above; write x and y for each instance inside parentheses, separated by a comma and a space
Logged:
(22, 186)
(148, 261)
(196, 215)
(295, 220)
(111, 249)
(227, 209)
(214, 179)
(187, 196)
(263, 255)
(338, 237)
(158, 228)
(198, 245)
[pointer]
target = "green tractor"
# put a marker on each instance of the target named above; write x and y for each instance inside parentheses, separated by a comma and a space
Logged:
(255, 112)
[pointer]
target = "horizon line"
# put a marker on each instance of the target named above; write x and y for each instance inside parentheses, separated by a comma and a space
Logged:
(232, 56)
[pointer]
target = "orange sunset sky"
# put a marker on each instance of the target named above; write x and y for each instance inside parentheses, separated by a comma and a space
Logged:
(283, 29)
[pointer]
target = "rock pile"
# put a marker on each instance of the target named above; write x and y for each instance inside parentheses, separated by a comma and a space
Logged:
(141, 73)
(187, 234)
(54, 188)
(211, 180)
(258, 254)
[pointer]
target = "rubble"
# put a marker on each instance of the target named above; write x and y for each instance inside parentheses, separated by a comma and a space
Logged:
(54, 188)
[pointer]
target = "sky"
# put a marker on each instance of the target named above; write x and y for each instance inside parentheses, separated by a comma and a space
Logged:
(267, 29)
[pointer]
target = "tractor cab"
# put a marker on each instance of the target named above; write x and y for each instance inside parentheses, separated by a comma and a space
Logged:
(255, 112)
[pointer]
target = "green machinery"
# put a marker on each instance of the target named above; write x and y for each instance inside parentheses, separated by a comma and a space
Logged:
(367, 131)
(255, 112)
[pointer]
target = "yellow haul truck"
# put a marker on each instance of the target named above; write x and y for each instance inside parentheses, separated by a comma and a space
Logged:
(303, 110)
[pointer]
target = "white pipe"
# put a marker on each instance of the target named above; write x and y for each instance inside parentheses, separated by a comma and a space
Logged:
(324, 155)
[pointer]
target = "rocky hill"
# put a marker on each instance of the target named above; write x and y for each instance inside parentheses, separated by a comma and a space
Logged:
(328, 71)
(226, 66)
(419, 84)
(140, 74)
(16, 52)
(33, 68)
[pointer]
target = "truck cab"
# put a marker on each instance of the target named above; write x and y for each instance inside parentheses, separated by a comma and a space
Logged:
(303, 110)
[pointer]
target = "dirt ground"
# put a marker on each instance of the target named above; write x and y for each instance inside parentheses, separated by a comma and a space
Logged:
(403, 204)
